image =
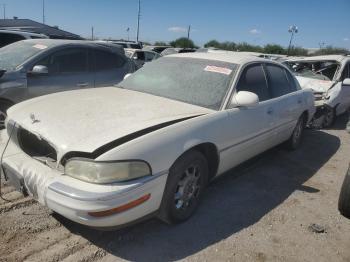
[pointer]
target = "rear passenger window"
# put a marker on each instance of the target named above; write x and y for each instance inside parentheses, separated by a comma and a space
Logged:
(107, 60)
(278, 82)
(293, 86)
(253, 80)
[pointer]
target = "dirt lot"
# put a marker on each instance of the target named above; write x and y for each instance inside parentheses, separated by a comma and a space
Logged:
(258, 212)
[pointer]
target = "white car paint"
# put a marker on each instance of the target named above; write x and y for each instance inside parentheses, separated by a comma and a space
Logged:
(91, 118)
(332, 93)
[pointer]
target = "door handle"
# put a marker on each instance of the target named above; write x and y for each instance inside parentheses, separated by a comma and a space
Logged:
(82, 84)
(270, 111)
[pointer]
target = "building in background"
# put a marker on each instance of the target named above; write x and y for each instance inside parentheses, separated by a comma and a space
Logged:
(36, 27)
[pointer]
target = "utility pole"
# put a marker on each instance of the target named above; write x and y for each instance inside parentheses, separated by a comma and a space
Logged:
(43, 11)
(4, 9)
(293, 30)
(138, 21)
(188, 32)
(92, 33)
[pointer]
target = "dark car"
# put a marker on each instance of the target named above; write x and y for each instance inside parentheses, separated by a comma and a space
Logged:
(344, 198)
(32, 68)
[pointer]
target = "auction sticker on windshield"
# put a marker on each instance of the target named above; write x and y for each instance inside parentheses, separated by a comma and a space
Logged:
(217, 69)
(39, 46)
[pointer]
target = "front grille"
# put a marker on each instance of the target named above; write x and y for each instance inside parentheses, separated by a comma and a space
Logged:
(34, 146)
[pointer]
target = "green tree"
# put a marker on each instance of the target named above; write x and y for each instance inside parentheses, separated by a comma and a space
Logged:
(298, 51)
(274, 49)
(183, 42)
(330, 50)
(212, 43)
(161, 43)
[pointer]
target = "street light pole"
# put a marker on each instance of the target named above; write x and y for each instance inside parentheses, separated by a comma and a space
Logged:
(293, 30)
(138, 21)
(4, 7)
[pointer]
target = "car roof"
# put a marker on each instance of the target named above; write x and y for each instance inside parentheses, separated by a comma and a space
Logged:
(59, 42)
(338, 58)
(229, 57)
(20, 32)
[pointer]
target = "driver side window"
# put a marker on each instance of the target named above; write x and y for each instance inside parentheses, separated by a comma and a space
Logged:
(73, 60)
(253, 80)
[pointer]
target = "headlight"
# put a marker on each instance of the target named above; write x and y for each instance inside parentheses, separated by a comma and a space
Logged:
(106, 172)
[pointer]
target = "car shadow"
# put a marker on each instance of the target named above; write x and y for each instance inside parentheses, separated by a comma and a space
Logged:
(231, 203)
(341, 122)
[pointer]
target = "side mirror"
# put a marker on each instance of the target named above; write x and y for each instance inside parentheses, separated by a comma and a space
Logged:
(39, 70)
(346, 82)
(244, 99)
(126, 76)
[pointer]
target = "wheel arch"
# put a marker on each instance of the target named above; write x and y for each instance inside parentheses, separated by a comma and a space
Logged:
(210, 152)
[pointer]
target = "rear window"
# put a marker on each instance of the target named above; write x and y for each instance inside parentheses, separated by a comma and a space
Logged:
(278, 82)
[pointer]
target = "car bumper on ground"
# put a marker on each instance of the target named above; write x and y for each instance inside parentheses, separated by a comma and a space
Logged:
(85, 203)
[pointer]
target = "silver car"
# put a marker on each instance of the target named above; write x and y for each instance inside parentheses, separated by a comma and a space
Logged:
(36, 67)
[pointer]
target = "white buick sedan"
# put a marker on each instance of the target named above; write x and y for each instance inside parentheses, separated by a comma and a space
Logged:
(149, 146)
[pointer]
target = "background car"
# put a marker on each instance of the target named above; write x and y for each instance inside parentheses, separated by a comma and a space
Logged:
(140, 57)
(150, 145)
(127, 44)
(38, 67)
(329, 77)
(171, 51)
(156, 48)
(10, 36)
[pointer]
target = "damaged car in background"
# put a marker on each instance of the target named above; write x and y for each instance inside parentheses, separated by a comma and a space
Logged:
(329, 77)
(150, 145)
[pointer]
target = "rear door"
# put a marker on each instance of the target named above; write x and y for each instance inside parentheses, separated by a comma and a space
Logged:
(67, 70)
(109, 67)
(287, 100)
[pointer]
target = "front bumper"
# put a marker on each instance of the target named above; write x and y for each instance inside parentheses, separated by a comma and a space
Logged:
(75, 199)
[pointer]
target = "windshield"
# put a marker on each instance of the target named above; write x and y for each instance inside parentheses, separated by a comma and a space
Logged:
(11, 56)
(195, 81)
(323, 70)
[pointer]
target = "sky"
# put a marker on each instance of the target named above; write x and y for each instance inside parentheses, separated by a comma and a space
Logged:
(253, 21)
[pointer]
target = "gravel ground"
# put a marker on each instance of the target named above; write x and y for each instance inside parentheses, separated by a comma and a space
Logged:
(261, 211)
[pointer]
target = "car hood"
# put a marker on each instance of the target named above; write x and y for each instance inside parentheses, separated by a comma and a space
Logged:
(316, 85)
(87, 119)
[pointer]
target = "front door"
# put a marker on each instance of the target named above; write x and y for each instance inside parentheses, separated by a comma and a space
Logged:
(67, 70)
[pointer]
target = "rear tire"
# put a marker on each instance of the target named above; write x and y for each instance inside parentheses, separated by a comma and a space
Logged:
(344, 197)
(185, 185)
(4, 105)
(297, 136)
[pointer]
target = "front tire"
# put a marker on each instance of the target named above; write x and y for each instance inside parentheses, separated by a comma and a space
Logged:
(344, 197)
(185, 185)
(297, 136)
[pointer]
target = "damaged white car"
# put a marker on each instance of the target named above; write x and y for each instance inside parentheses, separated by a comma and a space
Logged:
(149, 146)
(329, 78)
